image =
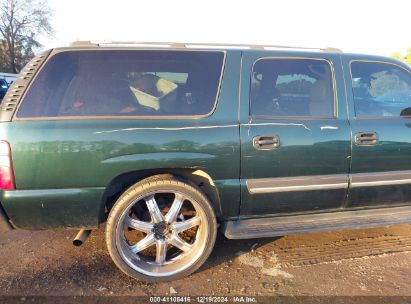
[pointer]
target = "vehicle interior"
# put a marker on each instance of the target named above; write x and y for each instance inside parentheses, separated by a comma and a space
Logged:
(93, 86)
(380, 90)
(292, 88)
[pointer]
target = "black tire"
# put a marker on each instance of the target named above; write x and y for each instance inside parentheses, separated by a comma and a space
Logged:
(205, 234)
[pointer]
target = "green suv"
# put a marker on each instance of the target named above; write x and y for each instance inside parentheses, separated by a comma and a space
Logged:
(165, 144)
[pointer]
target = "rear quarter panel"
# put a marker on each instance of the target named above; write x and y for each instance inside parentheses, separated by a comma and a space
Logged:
(62, 167)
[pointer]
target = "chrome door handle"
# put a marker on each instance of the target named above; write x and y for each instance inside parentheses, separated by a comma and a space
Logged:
(366, 138)
(266, 142)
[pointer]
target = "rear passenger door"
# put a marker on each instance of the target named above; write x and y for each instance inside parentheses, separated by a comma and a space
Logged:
(295, 136)
(380, 109)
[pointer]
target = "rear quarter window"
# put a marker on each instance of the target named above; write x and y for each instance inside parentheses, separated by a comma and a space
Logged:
(125, 83)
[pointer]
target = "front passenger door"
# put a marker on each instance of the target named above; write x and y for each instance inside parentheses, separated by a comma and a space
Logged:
(380, 105)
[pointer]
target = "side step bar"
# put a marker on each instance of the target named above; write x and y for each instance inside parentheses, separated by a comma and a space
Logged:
(292, 224)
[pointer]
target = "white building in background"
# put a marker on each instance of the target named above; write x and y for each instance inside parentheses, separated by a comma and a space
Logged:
(8, 77)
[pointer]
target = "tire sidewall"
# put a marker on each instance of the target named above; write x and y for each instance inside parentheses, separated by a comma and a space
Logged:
(142, 189)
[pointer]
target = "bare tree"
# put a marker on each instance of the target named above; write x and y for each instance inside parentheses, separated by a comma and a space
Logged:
(21, 21)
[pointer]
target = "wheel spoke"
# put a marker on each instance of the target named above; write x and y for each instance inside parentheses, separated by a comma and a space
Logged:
(146, 242)
(179, 227)
(138, 225)
(172, 214)
(155, 212)
(178, 242)
(161, 252)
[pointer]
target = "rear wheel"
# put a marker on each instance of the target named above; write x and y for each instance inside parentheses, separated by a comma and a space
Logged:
(161, 229)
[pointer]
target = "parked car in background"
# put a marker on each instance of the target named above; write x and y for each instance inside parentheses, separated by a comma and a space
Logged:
(10, 78)
(167, 144)
(3, 88)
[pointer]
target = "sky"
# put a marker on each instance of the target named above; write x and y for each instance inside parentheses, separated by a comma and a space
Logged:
(378, 27)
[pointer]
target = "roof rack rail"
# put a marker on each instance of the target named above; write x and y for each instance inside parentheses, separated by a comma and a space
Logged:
(80, 43)
(198, 45)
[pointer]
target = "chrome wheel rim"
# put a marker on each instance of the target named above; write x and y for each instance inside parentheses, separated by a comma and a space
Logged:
(162, 233)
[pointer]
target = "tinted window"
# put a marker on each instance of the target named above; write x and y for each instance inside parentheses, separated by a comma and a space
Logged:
(125, 83)
(292, 87)
(380, 89)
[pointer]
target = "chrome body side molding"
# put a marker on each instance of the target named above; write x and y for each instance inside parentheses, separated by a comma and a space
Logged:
(380, 179)
(306, 223)
(331, 181)
(299, 183)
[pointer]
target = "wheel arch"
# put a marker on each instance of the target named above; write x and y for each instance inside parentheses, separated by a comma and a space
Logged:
(122, 182)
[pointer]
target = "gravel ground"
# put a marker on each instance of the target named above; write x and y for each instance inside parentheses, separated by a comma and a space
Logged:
(362, 262)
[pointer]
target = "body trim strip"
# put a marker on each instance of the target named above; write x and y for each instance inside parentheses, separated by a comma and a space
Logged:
(298, 183)
(380, 179)
(330, 181)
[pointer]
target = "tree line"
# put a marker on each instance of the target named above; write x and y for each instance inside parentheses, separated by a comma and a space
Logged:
(21, 22)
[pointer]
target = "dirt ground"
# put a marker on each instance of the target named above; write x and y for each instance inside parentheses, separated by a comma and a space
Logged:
(346, 263)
